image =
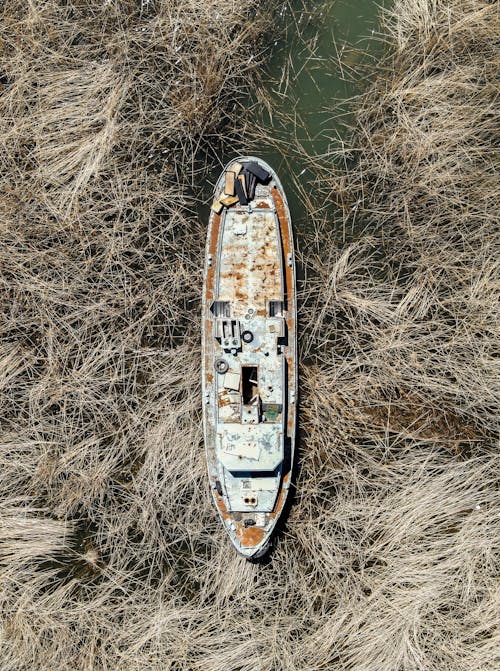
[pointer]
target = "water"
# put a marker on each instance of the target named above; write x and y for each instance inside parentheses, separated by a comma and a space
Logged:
(311, 75)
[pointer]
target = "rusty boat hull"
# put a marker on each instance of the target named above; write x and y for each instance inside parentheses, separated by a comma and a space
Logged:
(249, 353)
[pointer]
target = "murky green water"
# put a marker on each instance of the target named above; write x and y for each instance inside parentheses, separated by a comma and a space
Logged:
(319, 59)
(313, 72)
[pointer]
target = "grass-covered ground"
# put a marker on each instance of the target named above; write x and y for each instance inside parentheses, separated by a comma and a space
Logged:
(111, 555)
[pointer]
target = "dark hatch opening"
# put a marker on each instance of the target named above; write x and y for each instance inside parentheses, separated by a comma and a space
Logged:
(250, 384)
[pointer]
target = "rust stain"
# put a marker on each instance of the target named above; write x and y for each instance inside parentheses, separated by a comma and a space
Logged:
(221, 506)
(210, 284)
(214, 233)
(235, 274)
(223, 399)
(251, 536)
(279, 503)
(285, 236)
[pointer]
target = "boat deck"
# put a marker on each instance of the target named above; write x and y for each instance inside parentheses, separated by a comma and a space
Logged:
(250, 272)
(249, 364)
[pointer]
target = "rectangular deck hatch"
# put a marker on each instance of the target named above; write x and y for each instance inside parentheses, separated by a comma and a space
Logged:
(276, 308)
(249, 385)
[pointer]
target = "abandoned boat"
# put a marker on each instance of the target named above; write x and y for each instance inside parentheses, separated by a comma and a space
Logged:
(249, 363)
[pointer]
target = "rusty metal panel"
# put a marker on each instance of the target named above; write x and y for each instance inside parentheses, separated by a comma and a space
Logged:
(249, 270)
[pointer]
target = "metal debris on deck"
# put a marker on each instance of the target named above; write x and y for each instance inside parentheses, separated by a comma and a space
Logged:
(249, 352)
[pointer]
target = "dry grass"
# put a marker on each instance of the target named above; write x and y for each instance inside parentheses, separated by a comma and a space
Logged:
(111, 557)
(420, 284)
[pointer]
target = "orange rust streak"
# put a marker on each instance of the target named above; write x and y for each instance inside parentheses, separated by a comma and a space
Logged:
(214, 233)
(286, 242)
(287, 249)
(221, 506)
(279, 504)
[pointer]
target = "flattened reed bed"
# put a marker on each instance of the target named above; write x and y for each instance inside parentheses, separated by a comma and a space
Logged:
(110, 553)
